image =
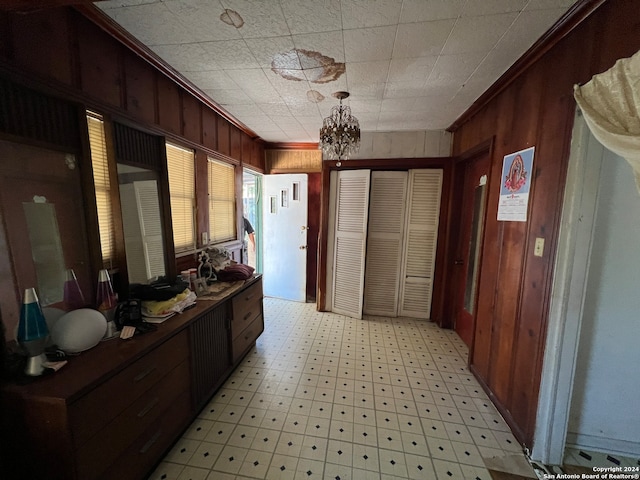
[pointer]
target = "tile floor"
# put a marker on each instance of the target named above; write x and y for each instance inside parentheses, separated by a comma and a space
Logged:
(323, 396)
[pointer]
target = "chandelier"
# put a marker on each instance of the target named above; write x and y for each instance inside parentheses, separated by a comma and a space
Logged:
(340, 132)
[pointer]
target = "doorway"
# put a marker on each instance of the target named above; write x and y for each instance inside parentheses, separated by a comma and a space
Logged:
(472, 177)
(251, 207)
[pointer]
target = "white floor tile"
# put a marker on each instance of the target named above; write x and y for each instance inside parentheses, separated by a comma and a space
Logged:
(325, 396)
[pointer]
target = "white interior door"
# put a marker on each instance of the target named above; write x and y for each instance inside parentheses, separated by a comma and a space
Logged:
(385, 243)
(352, 208)
(421, 238)
(285, 236)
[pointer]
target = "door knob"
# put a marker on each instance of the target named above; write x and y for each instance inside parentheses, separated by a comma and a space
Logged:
(303, 247)
(458, 262)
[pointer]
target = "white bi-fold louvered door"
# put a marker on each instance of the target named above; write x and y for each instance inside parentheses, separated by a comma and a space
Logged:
(385, 242)
(351, 212)
(420, 242)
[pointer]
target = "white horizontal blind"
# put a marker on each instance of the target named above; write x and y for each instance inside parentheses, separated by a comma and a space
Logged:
(222, 202)
(102, 187)
(181, 168)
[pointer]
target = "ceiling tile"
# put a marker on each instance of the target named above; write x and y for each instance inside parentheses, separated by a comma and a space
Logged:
(475, 8)
(309, 16)
(200, 20)
(365, 13)
(213, 80)
(429, 10)
(329, 44)
(359, 73)
(456, 67)
(369, 44)
(265, 49)
(229, 97)
(261, 19)
(184, 57)
(404, 69)
(421, 39)
(231, 54)
(542, 4)
(478, 34)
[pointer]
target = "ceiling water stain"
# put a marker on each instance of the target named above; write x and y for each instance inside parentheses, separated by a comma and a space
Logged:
(231, 17)
(299, 65)
(314, 96)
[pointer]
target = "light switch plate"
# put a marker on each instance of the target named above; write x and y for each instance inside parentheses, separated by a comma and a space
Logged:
(538, 250)
(205, 238)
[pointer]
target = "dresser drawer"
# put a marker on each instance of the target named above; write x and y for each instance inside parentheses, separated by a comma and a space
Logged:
(138, 459)
(113, 440)
(96, 409)
(247, 338)
(247, 305)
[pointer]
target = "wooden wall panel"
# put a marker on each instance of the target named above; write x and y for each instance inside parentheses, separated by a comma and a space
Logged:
(99, 64)
(191, 118)
(202, 196)
(50, 31)
(236, 143)
(209, 129)
(169, 110)
(223, 137)
(247, 149)
(535, 110)
(140, 87)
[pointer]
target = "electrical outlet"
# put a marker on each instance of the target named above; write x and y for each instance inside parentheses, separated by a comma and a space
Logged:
(205, 238)
(538, 250)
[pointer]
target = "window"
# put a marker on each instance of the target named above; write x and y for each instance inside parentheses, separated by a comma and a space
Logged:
(181, 168)
(222, 202)
(102, 187)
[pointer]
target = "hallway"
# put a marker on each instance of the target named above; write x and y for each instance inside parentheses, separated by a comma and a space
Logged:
(323, 396)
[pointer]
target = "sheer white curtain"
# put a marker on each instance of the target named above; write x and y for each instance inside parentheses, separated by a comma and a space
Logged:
(610, 102)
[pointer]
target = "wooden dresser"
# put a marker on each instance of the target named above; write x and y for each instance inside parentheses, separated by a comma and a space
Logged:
(114, 411)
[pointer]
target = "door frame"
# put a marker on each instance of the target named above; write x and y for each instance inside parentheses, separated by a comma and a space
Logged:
(568, 295)
(454, 230)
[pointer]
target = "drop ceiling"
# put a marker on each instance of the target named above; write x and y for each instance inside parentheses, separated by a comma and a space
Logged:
(409, 65)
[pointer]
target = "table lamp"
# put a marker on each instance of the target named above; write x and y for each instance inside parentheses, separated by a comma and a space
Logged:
(33, 333)
(107, 302)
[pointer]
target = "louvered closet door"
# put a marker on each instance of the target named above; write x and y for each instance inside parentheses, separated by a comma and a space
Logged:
(385, 243)
(352, 205)
(421, 235)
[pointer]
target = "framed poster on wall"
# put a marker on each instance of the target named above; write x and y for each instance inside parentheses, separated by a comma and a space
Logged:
(515, 185)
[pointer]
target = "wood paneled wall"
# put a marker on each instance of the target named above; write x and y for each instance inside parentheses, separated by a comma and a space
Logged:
(66, 53)
(535, 109)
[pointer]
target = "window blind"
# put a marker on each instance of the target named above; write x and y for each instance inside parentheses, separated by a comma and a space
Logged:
(181, 169)
(102, 186)
(222, 202)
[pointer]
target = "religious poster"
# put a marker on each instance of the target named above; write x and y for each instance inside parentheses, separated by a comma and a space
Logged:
(515, 186)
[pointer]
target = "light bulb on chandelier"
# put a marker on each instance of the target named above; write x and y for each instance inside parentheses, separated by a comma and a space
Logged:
(340, 132)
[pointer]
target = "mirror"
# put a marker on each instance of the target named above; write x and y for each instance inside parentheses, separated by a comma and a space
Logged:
(142, 223)
(46, 250)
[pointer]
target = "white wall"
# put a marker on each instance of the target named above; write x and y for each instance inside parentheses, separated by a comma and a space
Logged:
(604, 407)
(425, 143)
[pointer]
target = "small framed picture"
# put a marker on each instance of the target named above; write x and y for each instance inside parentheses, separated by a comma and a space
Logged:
(200, 286)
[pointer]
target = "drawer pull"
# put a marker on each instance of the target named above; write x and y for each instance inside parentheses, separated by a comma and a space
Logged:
(247, 316)
(248, 297)
(150, 443)
(144, 374)
(148, 408)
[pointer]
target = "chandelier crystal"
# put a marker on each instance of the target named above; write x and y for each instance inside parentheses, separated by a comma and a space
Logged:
(340, 132)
